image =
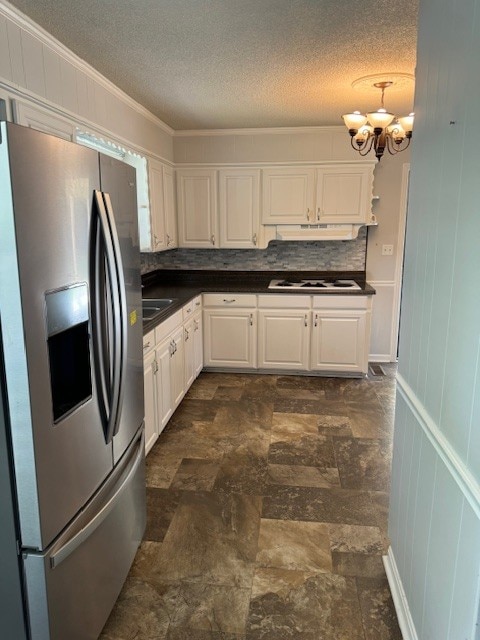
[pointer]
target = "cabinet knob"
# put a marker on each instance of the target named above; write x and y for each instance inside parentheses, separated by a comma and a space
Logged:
(213, 238)
(254, 239)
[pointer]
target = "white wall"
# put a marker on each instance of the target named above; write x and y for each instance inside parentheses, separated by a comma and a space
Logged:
(37, 70)
(314, 144)
(435, 497)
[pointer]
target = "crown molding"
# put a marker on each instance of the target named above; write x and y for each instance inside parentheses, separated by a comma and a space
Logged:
(184, 133)
(24, 22)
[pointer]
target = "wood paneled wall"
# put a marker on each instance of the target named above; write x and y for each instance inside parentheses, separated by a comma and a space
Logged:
(435, 495)
(35, 66)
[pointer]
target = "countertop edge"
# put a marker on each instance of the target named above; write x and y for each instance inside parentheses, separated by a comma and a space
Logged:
(182, 292)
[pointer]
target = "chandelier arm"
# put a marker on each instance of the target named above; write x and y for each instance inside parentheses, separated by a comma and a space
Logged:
(369, 141)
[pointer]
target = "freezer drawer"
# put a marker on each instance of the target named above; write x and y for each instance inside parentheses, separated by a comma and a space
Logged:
(72, 587)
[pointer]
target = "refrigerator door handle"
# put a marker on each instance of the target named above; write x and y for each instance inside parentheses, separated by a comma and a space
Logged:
(69, 547)
(121, 320)
(114, 346)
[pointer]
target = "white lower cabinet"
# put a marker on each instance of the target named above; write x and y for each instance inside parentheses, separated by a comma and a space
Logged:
(172, 361)
(149, 380)
(189, 353)
(198, 343)
(340, 334)
(177, 370)
(164, 384)
(283, 339)
(283, 332)
(230, 330)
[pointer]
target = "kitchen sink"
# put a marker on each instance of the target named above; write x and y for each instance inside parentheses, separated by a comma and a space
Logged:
(152, 307)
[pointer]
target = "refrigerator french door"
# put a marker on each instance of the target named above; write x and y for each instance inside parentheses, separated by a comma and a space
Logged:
(70, 305)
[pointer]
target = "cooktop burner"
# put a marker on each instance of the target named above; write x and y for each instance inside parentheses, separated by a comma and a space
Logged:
(325, 284)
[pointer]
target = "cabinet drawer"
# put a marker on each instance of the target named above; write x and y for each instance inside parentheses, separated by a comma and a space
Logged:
(283, 302)
(167, 326)
(187, 310)
(229, 300)
(341, 302)
(197, 304)
(148, 342)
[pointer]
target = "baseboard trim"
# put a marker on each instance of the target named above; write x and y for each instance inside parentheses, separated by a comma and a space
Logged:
(380, 357)
(462, 475)
(404, 616)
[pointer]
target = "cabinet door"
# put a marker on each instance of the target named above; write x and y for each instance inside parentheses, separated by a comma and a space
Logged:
(157, 205)
(198, 343)
(164, 355)
(149, 385)
(239, 208)
(170, 208)
(339, 341)
(288, 196)
(197, 208)
(230, 338)
(283, 339)
(178, 367)
(188, 332)
(344, 194)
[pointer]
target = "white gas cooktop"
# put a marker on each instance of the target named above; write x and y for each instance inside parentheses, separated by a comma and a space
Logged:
(314, 285)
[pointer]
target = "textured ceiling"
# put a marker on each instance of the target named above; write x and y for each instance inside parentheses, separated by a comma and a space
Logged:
(202, 64)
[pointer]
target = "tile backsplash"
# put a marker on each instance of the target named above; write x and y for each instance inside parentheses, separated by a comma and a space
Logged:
(330, 255)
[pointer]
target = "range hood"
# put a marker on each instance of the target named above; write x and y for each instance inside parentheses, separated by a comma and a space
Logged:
(318, 231)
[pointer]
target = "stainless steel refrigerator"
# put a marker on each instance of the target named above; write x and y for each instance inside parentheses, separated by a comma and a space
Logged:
(72, 469)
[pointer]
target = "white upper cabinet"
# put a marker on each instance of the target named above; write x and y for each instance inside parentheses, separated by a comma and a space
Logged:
(344, 194)
(239, 208)
(197, 208)
(328, 194)
(171, 235)
(157, 205)
(288, 195)
(162, 234)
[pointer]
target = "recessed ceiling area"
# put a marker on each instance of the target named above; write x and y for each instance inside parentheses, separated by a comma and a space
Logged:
(216, 64)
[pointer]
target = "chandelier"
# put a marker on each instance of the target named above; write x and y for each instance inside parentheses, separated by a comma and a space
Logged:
(379, 130)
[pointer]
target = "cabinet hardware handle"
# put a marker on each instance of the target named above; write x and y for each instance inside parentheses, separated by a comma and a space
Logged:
(213, 238)
(308, 214)
(316, 320)
(155, 367)
(146, 345)
(254, 239)
(186, 334)
(189, 311)
(197, 304)
(195, 325)
(168, 240)
(306, 320)
(229, 301)
(318, 214)
(171, 349)
(251, 319)
(174, 347)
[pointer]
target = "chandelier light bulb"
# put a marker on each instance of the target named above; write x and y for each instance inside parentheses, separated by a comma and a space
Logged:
(379, 130)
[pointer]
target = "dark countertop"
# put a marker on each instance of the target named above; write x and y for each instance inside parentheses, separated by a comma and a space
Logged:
(183, 285)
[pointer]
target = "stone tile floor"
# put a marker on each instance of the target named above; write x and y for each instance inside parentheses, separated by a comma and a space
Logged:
(267, 512)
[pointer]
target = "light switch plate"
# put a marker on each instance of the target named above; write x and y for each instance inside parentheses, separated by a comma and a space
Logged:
(387, 249)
